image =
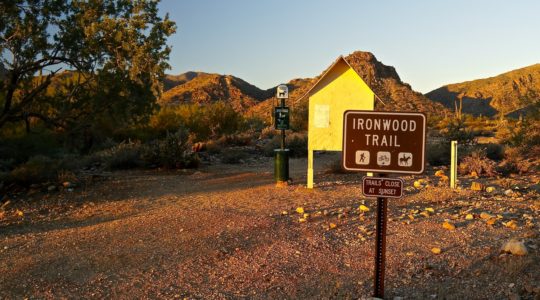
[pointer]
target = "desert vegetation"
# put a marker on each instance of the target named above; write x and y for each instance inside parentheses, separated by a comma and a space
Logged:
(487, 146)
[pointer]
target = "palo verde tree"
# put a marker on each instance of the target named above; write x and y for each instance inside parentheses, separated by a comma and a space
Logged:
(67, 63)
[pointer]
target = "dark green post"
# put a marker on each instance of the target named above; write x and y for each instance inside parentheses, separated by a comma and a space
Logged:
(281, 117)
(281, 165)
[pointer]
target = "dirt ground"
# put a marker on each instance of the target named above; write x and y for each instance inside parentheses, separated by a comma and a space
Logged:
(226, 232)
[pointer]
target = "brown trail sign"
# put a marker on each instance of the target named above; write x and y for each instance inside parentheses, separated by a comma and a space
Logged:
(383, 142)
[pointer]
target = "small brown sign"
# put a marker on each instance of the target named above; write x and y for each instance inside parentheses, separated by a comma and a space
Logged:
(382, 187)
(384, 142)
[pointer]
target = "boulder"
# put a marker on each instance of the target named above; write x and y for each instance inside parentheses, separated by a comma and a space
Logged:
(509, 193)
(486, 216)
(449, 226)
(436, 250)
(515, 247)
(477, 186)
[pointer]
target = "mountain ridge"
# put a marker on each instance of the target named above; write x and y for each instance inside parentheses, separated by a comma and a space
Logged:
(382, 79)
(205, 88)
(509, 92)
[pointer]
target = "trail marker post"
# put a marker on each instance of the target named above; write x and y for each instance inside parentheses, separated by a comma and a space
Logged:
(383, 142)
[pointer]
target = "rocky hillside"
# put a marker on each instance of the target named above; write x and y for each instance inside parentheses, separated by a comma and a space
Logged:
(202, 88)
(511, 92)
(297, 88)
(171, 81)
(383, 80)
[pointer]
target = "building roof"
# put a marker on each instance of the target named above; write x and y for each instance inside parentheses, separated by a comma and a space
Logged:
(339, 59)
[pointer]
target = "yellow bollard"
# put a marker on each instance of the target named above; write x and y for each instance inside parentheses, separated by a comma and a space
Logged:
(310, 169)
(453, 164)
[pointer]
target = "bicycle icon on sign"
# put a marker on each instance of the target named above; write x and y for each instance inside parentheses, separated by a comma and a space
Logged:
(383, 158)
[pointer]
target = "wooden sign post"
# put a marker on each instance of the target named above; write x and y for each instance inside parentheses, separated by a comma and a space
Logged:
(383, 142)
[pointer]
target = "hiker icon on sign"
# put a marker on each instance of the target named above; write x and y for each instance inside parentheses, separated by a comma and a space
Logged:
(405, 159)
(362, 157)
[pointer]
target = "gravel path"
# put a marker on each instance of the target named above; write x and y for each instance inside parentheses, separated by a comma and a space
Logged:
(225, 232)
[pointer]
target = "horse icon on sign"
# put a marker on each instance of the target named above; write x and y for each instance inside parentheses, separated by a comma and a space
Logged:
(405, 159)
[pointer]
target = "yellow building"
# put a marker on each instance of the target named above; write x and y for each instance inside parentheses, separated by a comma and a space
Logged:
(339, 89)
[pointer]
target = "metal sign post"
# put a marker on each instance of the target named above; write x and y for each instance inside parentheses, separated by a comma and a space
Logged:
(383, 142)
(380, 245)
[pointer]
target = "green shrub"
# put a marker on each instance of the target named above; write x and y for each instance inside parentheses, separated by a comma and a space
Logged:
(66, 175)
(523, 137)
(295, 142)
(22, 147)
(525, 134)
(336, 167)
(455, 130)
(494, 151)
(203, 121)
(173, 152)
(7, 164)
(508, 166)
(213, 147)
(165, 120)
(37, 169)
(438, 154)
(139, 133)
(4, 176)
(514, 162)
(241, 139)
(299, 117)
(252, 124)
(479, 163)
(233, 156)
(124, 159)
(269, 146)
(268, 133)
(126, 155)
(71, 162)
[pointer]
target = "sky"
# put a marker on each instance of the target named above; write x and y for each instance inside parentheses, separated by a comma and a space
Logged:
(430, 43)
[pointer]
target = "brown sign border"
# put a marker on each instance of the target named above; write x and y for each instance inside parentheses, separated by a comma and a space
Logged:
(385, 113)
(382, 178)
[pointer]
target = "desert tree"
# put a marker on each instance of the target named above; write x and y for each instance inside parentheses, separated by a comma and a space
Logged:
(68, 63)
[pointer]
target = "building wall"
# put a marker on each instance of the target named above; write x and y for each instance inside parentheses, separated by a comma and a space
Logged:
(340, 90)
